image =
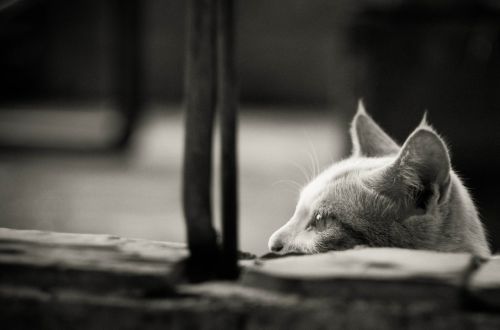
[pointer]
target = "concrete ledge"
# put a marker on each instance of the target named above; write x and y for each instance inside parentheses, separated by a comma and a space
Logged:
(484, 284)
(94, 263)
(380, 273)
(225, 306)
(73, 281)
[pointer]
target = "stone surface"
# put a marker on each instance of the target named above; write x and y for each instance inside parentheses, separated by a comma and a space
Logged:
(94, 263)
(484, 284)
(77, 281)
(372, 272)
(224, 306)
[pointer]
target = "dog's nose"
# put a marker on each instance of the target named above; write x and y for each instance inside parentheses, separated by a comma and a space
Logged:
(278, 241)
(276, 246)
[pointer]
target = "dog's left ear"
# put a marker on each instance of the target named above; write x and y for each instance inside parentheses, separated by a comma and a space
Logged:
(423, 163)
(368, 139)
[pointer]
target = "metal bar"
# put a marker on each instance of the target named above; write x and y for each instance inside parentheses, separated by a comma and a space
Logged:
(128, 75)
(228, 103)
(200, 97)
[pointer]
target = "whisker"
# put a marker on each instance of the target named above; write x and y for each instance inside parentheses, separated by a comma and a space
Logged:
(314, 153)
(295, 184)
(302, 170)
(312, 164)
(292, 190)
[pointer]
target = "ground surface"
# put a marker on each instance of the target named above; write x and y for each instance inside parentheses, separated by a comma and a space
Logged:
(73, 281)
(138, 195)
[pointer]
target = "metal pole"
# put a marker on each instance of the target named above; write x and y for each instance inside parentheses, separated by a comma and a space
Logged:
(128, 58)
(200, 97)
(228, 102)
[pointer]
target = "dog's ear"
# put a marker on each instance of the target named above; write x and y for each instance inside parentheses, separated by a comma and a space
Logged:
(423, 165)
(368, 139)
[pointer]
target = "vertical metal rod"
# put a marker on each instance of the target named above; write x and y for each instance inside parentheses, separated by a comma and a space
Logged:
(128, 75)
(201, 95)
(228, 103)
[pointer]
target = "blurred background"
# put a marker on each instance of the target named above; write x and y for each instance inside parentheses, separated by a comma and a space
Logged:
(91, 100)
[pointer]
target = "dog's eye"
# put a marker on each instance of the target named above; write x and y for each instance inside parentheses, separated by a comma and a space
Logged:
(322, 217)
(321, 221)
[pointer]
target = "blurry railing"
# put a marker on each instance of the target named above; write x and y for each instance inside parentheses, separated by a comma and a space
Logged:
(210, 81)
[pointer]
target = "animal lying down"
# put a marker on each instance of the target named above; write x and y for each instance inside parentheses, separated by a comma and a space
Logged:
(385, 195)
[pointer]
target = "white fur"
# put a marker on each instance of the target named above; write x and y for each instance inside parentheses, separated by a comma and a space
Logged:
(375, 192)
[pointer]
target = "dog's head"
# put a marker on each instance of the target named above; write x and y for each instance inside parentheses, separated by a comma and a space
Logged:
(382, 195)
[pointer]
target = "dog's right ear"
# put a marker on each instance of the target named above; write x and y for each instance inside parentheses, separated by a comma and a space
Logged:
(423, 163)
(368, 139)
